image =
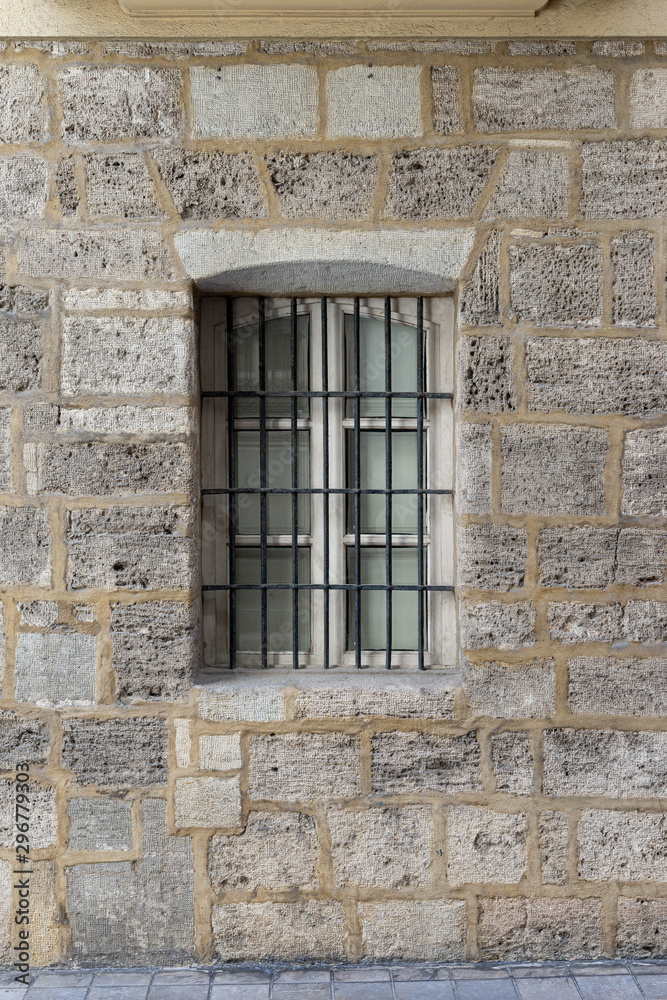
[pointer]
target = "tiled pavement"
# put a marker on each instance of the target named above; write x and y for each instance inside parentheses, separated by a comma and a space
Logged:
(491, 981)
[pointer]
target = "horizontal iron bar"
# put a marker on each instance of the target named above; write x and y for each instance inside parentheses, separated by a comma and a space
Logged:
(319, 490)
(349, 394)
(324, 586)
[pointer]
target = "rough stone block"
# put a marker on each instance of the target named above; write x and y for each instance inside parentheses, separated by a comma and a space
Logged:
(129, 752)
(433, 183)
(496, 625)
(182, 742)
(20, 355)
(139, 548)
(67, 188)
(26, 547)
(452, 46)
(617, 48)
(275, 851)
(138, 912)
(634, 302)
(42, 808)
(98, 299)
(624, 180)
(491, 556)
(23, 114)
(510, 690)
(312, 930)
(553, 833)
(622, 846)
(446, 85)
(604, 685)
(601, 762)
(648, 98)
(578, 622)
(220, 753)
(577, 556)
(480, 298)
(485, 374)
(242, 701)
(207, 802)
(286, 48)
(45, 914)
(388, 847)
(641, 557)
(39, 613)
(537, 47)
(485, 846)
(429, 929)
(553, 469)
(512, 760)
(254, 101)
(127, 355)
(155, 647)
(21, 299)
(125, 254)
(119, 185)
(55, 669)
(399, 697)
(327, 185)
(211, 185)
(645, 472)
(95, 468)
(540, 929)
(21, 740)
(173, 50)
(424, 762)
(646, 621)
(556, 285)
(528, 100)
(535, 185)
(5, 449)
(642, 927)
(120, 102)
(153, 421)
(473, 468)
(300, 766)
(375, 102)
(24, 187)
(99, 825)
(6, 881)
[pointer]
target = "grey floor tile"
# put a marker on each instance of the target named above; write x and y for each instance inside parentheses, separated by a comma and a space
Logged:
(180, 977)
(119, 977)
(362, 974)
(480, 972)
(303, 976)
(485, 989)
(239, 978)
(650, 967)
(54, 977)
(425, 990)
(363, 991)
(186, 991)
(247, 991)
(8, 981)
(608, 988)
(7, 993)
(540, 970)
(654, 987)
(419, 973)
(301, 991)
(598, 969)
(117, 993)
(549, 988)
(56, 993)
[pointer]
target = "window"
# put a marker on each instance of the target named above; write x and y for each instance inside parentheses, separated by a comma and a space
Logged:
(327, 522)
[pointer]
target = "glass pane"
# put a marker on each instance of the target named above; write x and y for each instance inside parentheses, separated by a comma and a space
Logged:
(373, 477)
(278, 476)
(278, 604)
(374, 602)
(371, 365)
(278, 375)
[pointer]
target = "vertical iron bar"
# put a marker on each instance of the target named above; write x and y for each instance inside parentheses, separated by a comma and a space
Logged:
(388, 475)
(293, 442)
(263, 527)
(325, 473)
(232, 481)
(357, 494)
(420, 480)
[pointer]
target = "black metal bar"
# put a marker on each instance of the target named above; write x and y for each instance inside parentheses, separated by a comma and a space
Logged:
(357, 494)
(316, 489)
(388, 476)
(232, 480)
(295, 499)
(263, 526)
(316, 393)
(411, 587)
(420, 480)
(325, 470)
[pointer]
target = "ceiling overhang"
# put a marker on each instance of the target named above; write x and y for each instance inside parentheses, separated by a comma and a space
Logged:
(331, 8)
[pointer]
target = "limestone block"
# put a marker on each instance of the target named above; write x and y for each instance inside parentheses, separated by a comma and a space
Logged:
(485, 374)
(23, 114)
(220, 753)
(609, 686)
(45, 914)
(354, 697)
(164, 421)
(155, 646)
(428, 929)
(553, 833)
(95, 468)
(139, 548)
(254, 101)
(535, 185)
(20, 355)
(480, 298)
(124, 254)
(67, 188)
(20, 299)
(632, 256)
(510, 690)
(119, 185)
(24, 187)
(424, 762)
(496, 625)
(473, 468)
(556, 285)
(5, 449)
(277, 850)
(646, 621)
(123, 752)
(312, 930)
(39, 613)
(527, 100)
(626, 179)
(55, 669)
(622, 846)
(22, 739)
(98, 299)
(641, 556)
(300, 766)
(242, 701)
(642, 927)
(207, 802)
(390, 848)
(127, 355)
(617, 48)
(452, 46)
(326, 185)
(433, 183)
(6, 882)
(648, 98)
(577, 556)
(445, 83)
(540, 929)
(512, 761)
(549, 469)
(173, 50)
(578, 622)
(285, 48)
(119, 102)
(42, 807)
(211, 185)
(376, 102)
(601, 762)
(136, 912)
(537, 47)
(645, 472)
(491, 556)
(99, 825)
(485, 846)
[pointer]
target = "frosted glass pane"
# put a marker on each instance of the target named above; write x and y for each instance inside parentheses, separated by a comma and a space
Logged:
(278, 475)
(278, 604)
(371, 365)
(278, 375)
(373, 477)
(374, 602)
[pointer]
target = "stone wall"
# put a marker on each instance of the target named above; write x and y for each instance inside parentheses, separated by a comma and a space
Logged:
(514, 812)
